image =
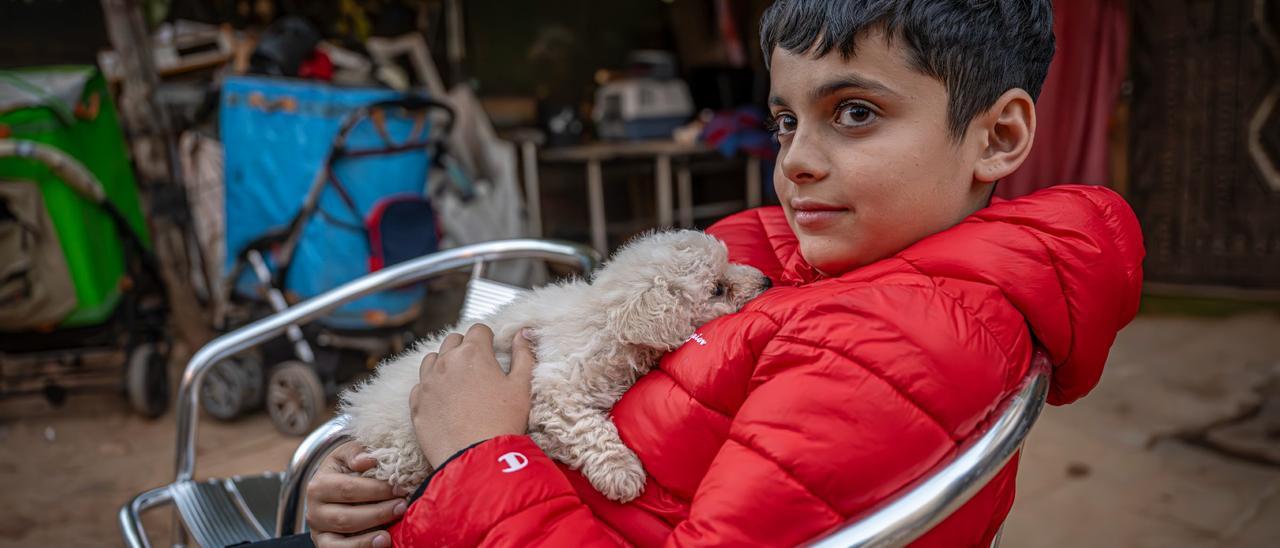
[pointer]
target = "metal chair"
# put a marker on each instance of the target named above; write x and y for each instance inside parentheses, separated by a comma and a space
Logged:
(218, 512)
(209, 509)
(895, 522)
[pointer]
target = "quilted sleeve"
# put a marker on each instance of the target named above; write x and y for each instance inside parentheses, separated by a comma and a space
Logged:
(503, 492)
(851, 402)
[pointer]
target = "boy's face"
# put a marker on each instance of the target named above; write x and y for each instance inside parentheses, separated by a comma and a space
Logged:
(866, 166)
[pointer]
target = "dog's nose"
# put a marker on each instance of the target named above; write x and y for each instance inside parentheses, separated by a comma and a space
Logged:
(767, 283)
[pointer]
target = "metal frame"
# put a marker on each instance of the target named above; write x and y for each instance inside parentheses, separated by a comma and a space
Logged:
(273, 326)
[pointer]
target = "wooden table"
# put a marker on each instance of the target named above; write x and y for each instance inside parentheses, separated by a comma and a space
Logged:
(596, 154)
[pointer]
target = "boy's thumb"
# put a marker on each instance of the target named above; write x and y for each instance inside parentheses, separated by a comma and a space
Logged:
(522, 358)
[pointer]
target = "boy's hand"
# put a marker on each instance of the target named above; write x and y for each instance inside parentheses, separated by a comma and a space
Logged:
(463, 397)
(341, 503)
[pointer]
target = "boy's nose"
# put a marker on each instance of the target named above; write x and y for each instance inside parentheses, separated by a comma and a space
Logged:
(803, 163)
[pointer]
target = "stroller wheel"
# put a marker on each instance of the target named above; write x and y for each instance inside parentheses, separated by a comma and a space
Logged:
(147, 380)
(232, 386)
(295, 398)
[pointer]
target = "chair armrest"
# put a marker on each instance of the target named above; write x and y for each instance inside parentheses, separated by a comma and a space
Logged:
(310, 453)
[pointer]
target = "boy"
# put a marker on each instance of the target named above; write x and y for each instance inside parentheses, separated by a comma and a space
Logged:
(903, 309)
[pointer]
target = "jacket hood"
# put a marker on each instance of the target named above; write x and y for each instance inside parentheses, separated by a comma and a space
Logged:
(1069, 258)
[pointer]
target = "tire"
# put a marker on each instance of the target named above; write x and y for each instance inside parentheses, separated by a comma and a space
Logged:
(295, 398)
(147, 380)
(251, 364)
(232, 386)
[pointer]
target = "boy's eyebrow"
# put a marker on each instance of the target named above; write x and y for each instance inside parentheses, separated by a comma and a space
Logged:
(851, 81)
(848, 81)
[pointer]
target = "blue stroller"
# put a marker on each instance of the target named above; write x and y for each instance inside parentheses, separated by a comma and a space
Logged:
(322, 186)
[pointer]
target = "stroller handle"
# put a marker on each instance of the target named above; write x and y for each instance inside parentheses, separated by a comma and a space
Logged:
(407, 102)
(67, 168)
(408, 272)
(421, 102)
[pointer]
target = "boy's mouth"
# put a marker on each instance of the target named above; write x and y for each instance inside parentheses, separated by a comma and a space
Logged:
(811, 214)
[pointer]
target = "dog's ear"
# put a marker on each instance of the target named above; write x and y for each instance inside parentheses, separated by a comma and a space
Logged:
(653, 317)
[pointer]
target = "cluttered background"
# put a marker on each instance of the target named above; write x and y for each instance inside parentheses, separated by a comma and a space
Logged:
(173, 170)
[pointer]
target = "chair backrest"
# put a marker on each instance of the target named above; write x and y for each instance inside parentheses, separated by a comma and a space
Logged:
(485, 296)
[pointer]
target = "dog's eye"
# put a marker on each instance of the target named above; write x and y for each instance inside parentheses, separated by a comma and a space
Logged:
(718, 291)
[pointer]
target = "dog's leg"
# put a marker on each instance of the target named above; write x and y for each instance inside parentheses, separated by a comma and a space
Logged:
(587, 440)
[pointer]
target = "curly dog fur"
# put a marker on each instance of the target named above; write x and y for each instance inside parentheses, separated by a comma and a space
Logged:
(593, 341)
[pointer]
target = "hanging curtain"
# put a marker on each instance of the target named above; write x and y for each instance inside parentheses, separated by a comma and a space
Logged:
(1078, 98)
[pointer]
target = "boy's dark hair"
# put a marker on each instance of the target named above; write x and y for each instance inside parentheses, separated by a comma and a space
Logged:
(978, 49)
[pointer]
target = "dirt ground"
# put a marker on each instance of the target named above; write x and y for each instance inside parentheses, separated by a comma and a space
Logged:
(67, 471)
(1179, 446)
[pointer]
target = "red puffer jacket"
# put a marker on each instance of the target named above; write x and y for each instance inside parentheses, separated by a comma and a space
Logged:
(823, 397)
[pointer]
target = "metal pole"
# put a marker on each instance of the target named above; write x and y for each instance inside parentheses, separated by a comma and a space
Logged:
(595, 201)
(684, 192)
(532, 191)
(753, 182)
(662, 181)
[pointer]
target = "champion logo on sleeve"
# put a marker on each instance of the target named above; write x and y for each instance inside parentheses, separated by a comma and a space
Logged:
(514, 461)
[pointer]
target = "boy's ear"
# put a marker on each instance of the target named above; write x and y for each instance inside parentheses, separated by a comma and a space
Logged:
(1011, 130)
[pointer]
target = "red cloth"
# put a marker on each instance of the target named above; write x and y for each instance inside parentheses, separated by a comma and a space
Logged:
(1078, 98)
(823, 397)
(317, 67)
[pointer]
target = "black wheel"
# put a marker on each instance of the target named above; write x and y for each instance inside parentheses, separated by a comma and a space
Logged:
(232, 386)
(147, 380)
(251, 365)
(295, 398)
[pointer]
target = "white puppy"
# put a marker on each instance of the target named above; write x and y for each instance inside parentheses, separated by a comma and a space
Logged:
(593, 341)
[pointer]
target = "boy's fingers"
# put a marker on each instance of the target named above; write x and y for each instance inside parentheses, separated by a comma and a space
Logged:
(347, 489)
(428, 362)
(450, 342)
(522, 357)
(362, 462)
(480, 334)
(349, 519)
(350, 456)
(372, 539)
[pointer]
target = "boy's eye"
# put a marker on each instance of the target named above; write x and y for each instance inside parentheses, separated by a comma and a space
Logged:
(783, 124)
(855, 115)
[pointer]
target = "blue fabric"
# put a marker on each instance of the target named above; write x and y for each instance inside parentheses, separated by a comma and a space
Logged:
(272, 157)
(407, 225)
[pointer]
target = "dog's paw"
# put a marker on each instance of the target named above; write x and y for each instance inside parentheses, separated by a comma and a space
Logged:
(619, 478)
